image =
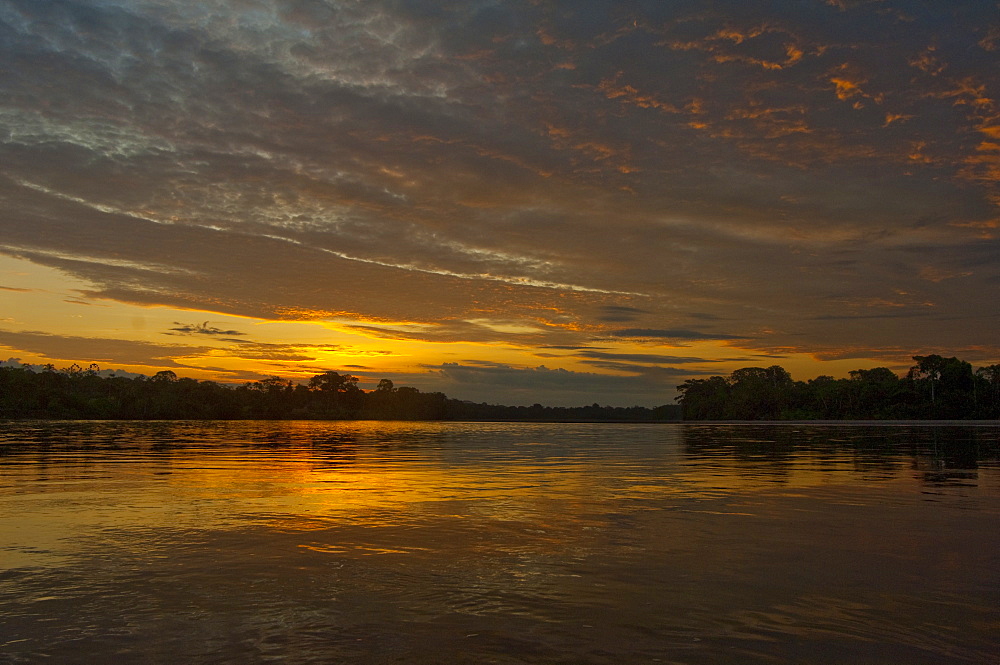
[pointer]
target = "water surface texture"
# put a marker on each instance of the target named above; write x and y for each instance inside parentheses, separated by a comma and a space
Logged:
(320, 542)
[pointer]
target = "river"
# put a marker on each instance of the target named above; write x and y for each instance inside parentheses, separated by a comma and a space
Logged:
(380, 542)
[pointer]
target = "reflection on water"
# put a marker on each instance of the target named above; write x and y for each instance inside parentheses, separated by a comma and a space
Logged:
(307, 542)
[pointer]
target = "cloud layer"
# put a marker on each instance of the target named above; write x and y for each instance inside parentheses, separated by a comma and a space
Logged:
(822, 178)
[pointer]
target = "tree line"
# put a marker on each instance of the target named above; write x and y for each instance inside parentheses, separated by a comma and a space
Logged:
(935, 388)
(75, 393)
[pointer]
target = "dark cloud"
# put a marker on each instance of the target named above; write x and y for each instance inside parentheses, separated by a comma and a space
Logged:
(647, 358)
(639, 369)
(474, 362)
(196, 329)
(86, 303)
(279, 352)
(620, 313)
(94, 350)
(521, 385)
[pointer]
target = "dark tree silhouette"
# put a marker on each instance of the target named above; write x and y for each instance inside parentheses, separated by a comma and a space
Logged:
(934, 388)
(75, 393)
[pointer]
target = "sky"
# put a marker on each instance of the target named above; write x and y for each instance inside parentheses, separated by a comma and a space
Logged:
(510, 201)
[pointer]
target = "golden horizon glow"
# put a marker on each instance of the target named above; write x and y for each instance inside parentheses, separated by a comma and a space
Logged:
(46, 299)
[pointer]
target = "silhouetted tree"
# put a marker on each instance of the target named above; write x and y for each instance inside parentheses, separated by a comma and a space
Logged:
(949, 382)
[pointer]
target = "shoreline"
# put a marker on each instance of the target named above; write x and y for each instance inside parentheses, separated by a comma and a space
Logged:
(568, 421)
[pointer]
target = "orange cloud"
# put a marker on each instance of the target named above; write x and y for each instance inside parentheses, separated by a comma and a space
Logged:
(846, 85)
(985, 164)
(982, 167)
(927, 62)
(600, 151)
(895, 117)
(934, 274)
(548, 39)
(627, 94)
(720, 46)
(558, 132)
(992, 39)
(773, 122)
(966, 91)
(916, 153)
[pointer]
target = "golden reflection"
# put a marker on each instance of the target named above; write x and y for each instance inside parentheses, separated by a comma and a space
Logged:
(761, 534)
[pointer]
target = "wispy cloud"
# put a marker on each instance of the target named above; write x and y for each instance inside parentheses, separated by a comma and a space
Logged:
(672, 334)
(643, 358)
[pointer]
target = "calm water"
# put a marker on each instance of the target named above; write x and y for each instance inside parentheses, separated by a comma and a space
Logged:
(308, 542)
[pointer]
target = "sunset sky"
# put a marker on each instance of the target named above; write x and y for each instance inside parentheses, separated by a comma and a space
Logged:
(507, 201)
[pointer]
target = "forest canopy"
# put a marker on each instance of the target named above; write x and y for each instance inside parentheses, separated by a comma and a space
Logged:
(934, 388)
(76, 393)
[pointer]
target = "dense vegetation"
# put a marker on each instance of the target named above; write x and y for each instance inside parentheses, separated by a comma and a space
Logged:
(934, 388)
(76, 393)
